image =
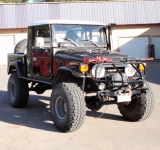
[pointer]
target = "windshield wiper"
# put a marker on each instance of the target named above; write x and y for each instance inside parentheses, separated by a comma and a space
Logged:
(68, 39)
(94, 43)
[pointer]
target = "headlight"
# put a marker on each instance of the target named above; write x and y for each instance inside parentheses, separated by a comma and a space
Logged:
(130, 71)
(100, 71)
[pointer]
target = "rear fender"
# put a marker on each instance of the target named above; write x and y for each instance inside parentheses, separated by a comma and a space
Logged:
(16, 66)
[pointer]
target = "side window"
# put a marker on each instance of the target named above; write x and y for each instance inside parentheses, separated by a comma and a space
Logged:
(59, 34)
(42, 37)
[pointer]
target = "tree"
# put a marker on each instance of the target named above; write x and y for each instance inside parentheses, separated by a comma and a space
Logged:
(11, 1)
(60, 0)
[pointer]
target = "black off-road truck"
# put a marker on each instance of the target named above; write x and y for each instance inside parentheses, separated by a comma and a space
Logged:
(75, 60)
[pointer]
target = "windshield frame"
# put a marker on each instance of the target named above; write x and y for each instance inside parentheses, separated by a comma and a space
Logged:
(91, 44)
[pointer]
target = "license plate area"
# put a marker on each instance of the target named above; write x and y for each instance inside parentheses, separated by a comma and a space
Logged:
(123, 98)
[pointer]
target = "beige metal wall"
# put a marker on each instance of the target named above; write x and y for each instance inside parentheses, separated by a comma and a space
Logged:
(8, 39)
(149, 31)
(18, 34)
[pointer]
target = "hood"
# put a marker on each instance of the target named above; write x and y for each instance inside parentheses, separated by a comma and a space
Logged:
(92, 56)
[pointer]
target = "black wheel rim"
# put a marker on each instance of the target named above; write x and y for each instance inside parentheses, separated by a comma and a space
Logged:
(60, 107)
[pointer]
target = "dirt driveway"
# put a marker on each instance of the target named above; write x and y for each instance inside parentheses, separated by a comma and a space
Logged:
(32, 128)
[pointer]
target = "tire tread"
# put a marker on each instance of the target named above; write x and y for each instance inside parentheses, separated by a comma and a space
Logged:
(21, 46)
(22, 92)
(146, 106)
(77, 107)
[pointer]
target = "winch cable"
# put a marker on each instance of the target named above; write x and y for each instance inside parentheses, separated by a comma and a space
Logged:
(102, 113)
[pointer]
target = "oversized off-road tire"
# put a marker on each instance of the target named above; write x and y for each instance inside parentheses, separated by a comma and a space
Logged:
(21, 46)
(67, 105)
(18, 92)
(140, 107)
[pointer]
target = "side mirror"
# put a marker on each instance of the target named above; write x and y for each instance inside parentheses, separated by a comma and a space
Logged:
(63, 45)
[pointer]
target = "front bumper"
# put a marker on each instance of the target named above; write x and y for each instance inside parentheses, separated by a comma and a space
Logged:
(105, 96)
(108, 93)
(121, 81)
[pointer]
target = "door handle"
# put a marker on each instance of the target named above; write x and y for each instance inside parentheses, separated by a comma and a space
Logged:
(34, 58)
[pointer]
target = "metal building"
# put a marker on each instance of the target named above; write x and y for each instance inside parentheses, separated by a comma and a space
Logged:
(137, 22)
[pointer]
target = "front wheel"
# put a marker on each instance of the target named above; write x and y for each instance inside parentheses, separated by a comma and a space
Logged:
(67, 106)
(140, 107)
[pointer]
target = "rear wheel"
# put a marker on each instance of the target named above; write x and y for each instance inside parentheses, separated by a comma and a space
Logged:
(18, 92)
(68, 107)
(140, 107)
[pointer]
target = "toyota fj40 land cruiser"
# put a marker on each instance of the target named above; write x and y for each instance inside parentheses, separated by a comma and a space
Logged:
(75, 60)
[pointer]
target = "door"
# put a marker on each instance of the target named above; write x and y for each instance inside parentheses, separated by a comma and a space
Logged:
(136, 47)
(41, 53)
(156, 43)
(6, 46)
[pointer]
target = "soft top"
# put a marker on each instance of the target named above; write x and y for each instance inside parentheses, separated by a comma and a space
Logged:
(77, 22)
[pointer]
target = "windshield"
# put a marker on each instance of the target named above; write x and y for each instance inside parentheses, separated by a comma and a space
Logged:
(82, 35)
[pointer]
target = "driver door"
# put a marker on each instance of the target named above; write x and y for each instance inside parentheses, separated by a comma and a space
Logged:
(42, 53)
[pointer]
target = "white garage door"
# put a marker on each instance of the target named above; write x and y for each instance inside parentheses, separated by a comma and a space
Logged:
(156, 42)
(6, 46)
(135, 47)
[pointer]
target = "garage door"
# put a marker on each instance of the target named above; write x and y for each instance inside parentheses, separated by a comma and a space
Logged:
(156, 42)
(6, 46)
(135, 47)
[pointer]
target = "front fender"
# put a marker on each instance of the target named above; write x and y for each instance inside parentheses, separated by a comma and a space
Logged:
(64, 73)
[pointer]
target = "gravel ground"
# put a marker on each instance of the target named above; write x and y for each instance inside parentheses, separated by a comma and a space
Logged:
(32, 127)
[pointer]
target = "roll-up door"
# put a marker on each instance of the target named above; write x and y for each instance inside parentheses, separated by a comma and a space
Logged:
(136, 47)
(6, 46)
(156, 43)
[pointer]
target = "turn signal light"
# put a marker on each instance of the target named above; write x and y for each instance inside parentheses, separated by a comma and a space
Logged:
(141, 67)
(83, 67)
